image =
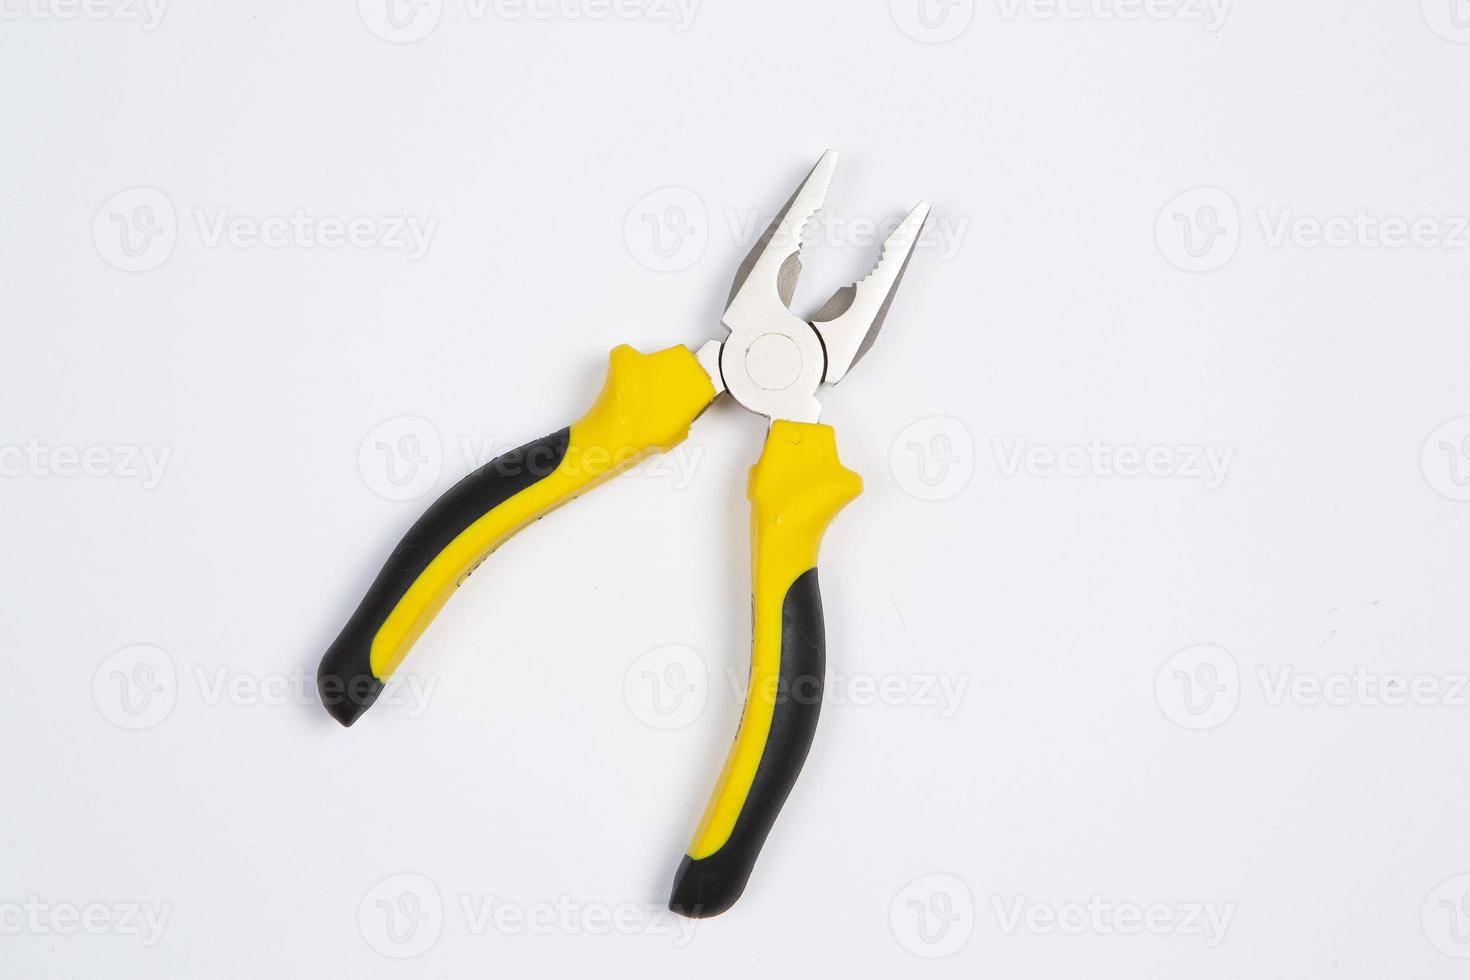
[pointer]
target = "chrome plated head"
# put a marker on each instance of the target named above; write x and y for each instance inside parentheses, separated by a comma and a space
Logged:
(773, 361)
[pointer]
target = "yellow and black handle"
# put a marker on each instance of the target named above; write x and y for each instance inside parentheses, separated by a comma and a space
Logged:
(796, 489)
(646, 406)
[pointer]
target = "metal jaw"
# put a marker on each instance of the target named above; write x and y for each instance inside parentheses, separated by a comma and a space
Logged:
(773, 361)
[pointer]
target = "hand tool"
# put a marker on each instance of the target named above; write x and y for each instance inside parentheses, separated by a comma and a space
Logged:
(772, 362)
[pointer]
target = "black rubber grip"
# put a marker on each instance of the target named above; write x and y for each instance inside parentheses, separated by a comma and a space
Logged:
(712, 884)
(345, 679)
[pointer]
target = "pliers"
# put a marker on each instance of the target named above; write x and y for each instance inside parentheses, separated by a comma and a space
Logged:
(772, 362)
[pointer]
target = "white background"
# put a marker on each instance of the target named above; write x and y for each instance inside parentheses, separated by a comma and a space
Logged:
(1086, 759)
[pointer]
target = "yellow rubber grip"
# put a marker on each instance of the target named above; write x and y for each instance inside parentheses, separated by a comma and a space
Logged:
(796, 488)
(646, 406)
